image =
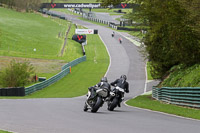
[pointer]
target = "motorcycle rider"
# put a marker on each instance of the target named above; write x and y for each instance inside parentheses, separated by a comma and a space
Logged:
(122, 83)
(113, 34)
(102, 84)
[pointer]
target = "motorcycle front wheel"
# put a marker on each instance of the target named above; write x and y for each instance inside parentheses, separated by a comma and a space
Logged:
(113, 104)
(85, 107)
(97, 105)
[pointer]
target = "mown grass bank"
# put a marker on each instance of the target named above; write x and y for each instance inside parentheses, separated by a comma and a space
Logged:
(183, 76)
(21, 33)
(146, 102)
(32, 35)
(83, 75)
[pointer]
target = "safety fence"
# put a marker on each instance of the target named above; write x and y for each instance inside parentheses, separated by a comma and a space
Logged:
(53, 14)
(86, 16)
(65, 70)
(184, 96)
(110, 24)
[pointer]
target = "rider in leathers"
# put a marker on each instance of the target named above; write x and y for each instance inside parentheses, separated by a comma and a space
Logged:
(103, 84)
(122, 83)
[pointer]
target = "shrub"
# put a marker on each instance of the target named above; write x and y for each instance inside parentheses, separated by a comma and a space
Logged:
(16, 74)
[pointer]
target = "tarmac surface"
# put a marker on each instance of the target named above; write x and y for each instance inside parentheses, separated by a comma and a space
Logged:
(66, 115)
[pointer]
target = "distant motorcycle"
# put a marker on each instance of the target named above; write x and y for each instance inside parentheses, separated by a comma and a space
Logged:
(115, 98)
(113, 34)
(95, 98)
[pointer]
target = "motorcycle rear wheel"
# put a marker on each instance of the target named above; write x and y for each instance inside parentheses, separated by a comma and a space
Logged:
(97, 105)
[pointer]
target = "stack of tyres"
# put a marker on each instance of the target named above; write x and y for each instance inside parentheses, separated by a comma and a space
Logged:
(14, 91)
(3, 92)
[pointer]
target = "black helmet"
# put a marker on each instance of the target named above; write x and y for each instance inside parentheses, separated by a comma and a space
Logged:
(104, 79)
(123, 77)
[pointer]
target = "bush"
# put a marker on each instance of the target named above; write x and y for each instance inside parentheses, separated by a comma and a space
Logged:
(16, 74)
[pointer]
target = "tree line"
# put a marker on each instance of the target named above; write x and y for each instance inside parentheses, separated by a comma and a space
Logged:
(22, 5)
(173, 36)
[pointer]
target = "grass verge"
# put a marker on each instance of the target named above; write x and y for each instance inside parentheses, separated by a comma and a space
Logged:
(1, 131)
(182, 76)
(149, 72)
(146, 101)
(83, 75)
(21, 33)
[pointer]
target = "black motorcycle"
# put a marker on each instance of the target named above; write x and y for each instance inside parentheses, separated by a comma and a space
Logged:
(95, 98)
(115, 98)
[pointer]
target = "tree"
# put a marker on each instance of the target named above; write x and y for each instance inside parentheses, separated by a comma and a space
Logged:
(10, 3)
(28, 5)
(171, 38)
(23, 5)
(193, 8)
(16, 74)
(110, 2)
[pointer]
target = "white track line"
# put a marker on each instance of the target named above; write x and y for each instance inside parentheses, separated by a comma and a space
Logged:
(153, 110)
(145, 90)
(136, 43)
(145, 85)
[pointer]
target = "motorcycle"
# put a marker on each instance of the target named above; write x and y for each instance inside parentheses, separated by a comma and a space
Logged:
(115, 98)
(113, 34)
(95, 98)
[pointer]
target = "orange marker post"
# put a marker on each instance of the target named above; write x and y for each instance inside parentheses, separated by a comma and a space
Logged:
(70, 69)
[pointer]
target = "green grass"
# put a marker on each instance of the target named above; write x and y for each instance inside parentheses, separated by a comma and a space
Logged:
(1, 131)
(23, 32)
(145, 101)
(83, 75)
(149, 72)
(182, 76)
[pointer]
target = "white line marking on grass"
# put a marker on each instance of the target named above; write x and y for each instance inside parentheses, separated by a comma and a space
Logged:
(108, 54)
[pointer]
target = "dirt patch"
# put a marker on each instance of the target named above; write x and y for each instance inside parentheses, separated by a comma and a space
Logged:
(40, 65)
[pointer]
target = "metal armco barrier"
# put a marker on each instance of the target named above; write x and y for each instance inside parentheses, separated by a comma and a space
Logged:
(60, 75)
(184, 96)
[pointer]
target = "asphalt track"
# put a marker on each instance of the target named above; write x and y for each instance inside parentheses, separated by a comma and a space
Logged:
(66, 115)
